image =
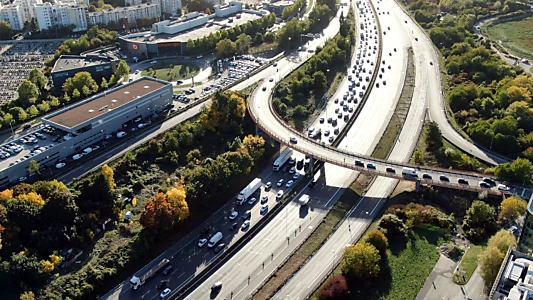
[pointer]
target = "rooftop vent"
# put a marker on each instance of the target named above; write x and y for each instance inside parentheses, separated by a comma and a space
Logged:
(126, 92)
(91, 110)
(146, 86)
(113, 101)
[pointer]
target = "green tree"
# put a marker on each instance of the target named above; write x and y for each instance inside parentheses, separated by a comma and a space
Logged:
(123, 70)
(434, 137)
(38, 78)
(44, 106)
(361, 261)
(243, 43)
(319, 80)
(225, 48)
(33, 111)
(194, 156)
(76, 94)
(378, 240)
(18, 113)
(104, 84)
(28, 93)
(34, 167)
(6, 31)
(520, 170)
(79, 81)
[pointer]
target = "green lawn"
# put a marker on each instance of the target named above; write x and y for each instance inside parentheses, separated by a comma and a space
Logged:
(171, 71)
(468, 264)
(516, 36)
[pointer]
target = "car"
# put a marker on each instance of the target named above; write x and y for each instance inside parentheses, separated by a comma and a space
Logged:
(513, 229)
(252, 201)
(60, 165)
(390, 170)
(247, 214)
(359, 163)
(217, 286)
(270, 79)
(22, 179)
(233, 226)
(430, 62)
(162, 284)
(264, 88)
(444, 178)
(153, 62)
(426, 176)
(94, 148)
(137, 120)
(321, 120)
(293, 140)
(264, 199)
(371, 166)
(245, 225)
(219, 247)
(331, 139)
(77, 156)
(279, 195)
(292, 170)
(280, 182)
(164, 294)
(296, 176)
(489, 181)
(121, 134)
(202, 242)
(485, 185)
(503, 187)
(462, 181)
(289, 183)
(234, 215)
(137, 72)
(142, 125)
(264, 209)
(268, 185)
(167, 270)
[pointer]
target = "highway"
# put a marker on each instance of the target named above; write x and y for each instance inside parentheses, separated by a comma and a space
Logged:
(245, 272)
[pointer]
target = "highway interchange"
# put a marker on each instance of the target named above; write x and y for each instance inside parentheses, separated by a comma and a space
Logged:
(362, 138)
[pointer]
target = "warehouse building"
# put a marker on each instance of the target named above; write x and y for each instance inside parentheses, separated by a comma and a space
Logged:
(67, 66)
(111, 115)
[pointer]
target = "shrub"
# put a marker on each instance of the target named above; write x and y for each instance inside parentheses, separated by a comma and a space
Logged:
(391, 225)
(335, 289)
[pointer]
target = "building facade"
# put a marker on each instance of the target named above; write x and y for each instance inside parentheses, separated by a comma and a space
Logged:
(525, 243)
(69, 65)
(13, 14)
(88, 122)
(61, 14)
(129, 13)
(170, 6)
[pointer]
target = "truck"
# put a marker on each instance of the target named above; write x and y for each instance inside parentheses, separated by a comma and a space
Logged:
(409, 172)
(282, 159)
(304, 199)
(248, 191)
(139, 279)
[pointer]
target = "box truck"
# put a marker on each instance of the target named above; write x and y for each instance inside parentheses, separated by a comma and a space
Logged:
(248, 191)
(282, 159)
(215, 239)
(409, 172)
(304, 199)
(139, 279)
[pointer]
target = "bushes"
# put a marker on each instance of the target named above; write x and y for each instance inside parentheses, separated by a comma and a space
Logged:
(335, 289)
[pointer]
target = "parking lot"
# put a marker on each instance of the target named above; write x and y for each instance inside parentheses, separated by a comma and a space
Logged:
(16, 62)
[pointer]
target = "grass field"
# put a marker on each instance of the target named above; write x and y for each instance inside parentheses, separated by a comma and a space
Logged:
(171, 72)
(516, 36)
(468, 264)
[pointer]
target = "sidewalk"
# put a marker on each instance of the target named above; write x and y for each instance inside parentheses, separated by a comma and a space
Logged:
(439, 284)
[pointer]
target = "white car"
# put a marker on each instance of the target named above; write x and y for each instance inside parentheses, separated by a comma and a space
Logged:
(252, 201)
(268, 185)
(503, 187)
(154, 62)
(296, 176)
(60, 165)
(292, 170)
(22, 179)
(202, 242)
(279, 195)
(264, 209)
(289, 183)
(121, 134)
(77, 156)
(294, 140)
(165, 293)
(234, 215)
(142, 125)
(245, 225)
(137, 120)
(280, 182)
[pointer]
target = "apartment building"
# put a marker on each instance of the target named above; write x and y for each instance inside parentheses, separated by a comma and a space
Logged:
(170, 6)
(130, 13)
(62, 14)
(13, 14)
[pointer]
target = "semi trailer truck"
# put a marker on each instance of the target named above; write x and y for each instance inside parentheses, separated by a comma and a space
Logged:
(249, 190)
(282, 159)
(139, 279)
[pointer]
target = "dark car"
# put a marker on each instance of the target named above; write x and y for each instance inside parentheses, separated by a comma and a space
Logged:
(483, 184)
(390, 170)
(27, 126)
(426, 176)
(444, 178)
(489, 181)
(359, 163)
(162, 284)
(233, 226)
(371, 166)
(167, 270)
(462, 181)
(219, 247)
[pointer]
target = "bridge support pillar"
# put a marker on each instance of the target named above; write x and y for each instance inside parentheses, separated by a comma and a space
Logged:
(311, 165)
(418, 186)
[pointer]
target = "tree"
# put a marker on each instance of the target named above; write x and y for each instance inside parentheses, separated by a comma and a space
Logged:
(18, 113)
(254, 145)
(479, 214)
(378, 240)
(520, 170)
(434, 137)
(27, 270)
(79, 81)
(31, 197)
(226, 48)
(176, 196)
(243, 43)
(157, 214)
(34, 167)
(6, 31)
(335, 289)
(38, 78)
(194, 156)
(361, 261)
(27, 296)
(492, 257)
(28, 93)
(104, 84)
(123, 70)
(512, 208)
(43, 107)
(319, 81)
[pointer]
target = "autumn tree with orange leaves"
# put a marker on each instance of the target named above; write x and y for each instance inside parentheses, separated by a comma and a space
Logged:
(164, 211)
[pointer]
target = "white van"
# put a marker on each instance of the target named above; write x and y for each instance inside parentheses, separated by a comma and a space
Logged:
(121, 134)
(87, 150)
(409, 172)
(77, 156)
(215, 239)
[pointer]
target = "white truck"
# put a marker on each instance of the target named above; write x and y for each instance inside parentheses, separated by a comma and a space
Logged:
(304, 199)
(409, 172)
(139, 279)
(248, 191)
(282, 159)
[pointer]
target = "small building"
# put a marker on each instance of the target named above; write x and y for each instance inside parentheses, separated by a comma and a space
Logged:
(67, 66)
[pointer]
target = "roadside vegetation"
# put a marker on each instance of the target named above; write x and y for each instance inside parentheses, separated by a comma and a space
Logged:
(299, 94)
(166, 187)
(490, 100)
(513, 35)
(171, 71)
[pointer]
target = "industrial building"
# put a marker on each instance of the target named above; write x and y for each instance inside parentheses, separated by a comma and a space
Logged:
(68, 65)
(170, 37)
(108, 115)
